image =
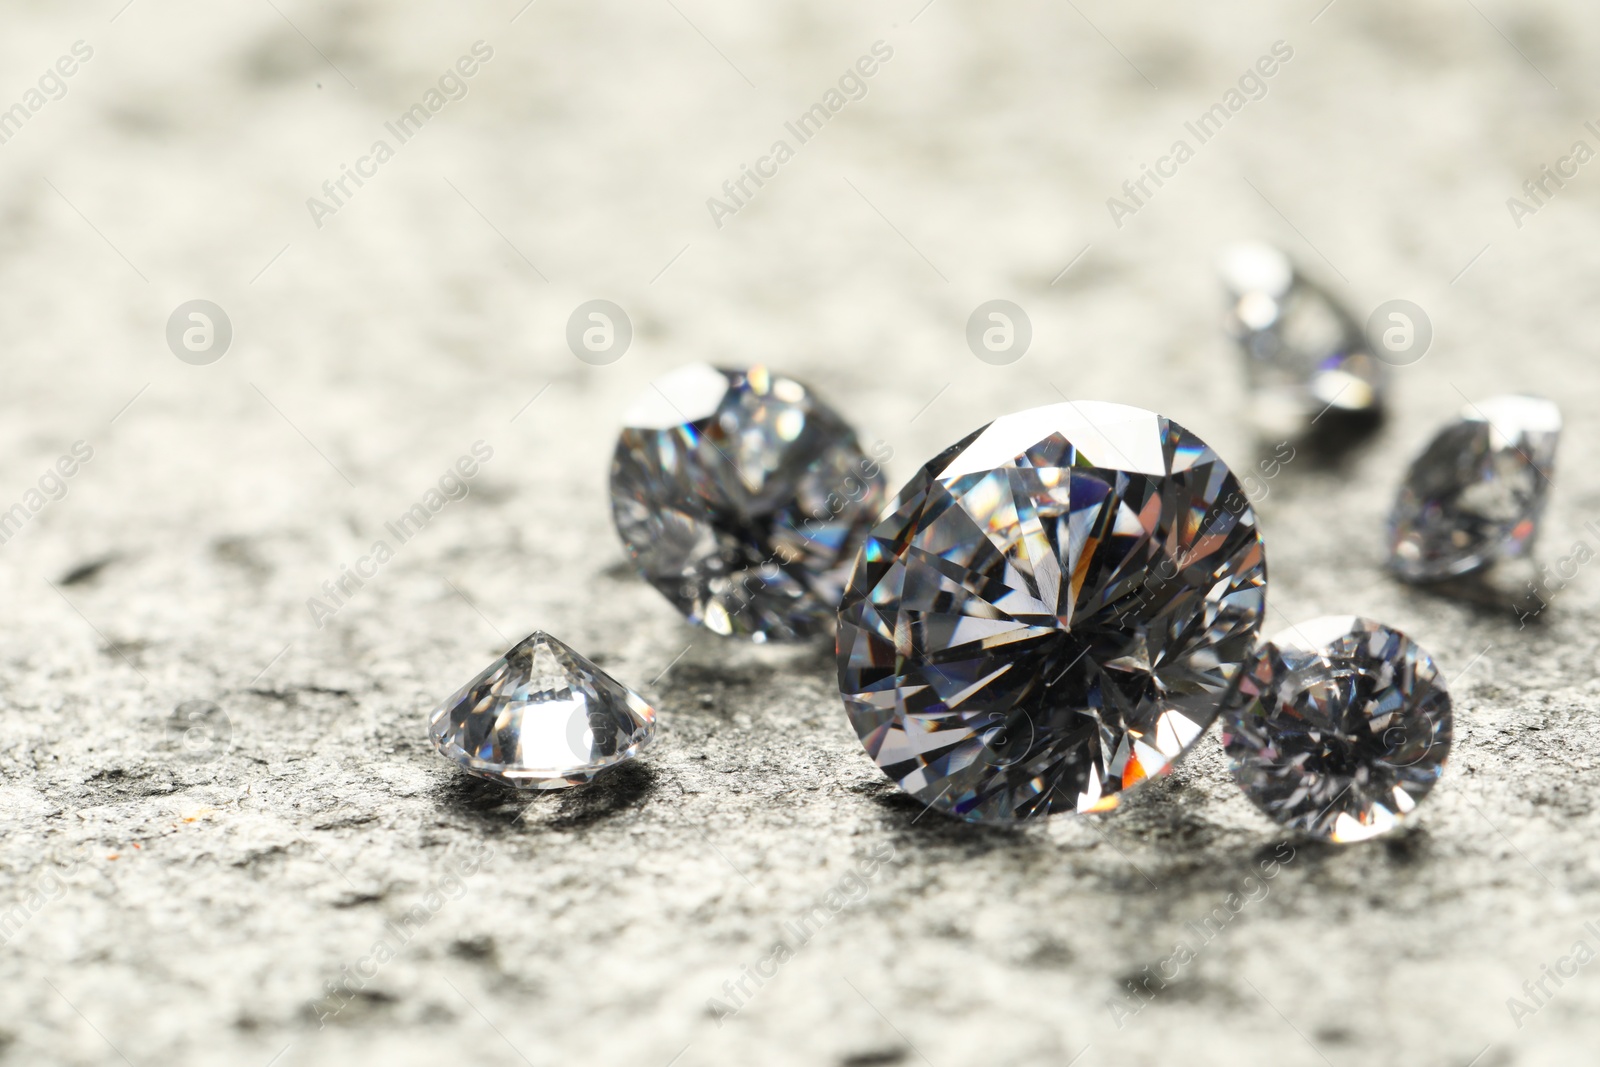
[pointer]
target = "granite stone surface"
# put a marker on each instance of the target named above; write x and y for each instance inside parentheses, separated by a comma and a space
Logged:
(217, 799)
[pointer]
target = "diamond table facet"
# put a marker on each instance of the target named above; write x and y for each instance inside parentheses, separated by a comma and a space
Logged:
(743, 498)
(1342, 726)
(542, 717)
(1477, 492)
(1050, 612)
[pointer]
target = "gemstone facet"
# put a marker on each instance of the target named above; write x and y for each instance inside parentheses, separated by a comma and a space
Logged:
(1477, 492)
(743, 498)
(1341, 727)
(1304, 353)
(542, 717)
(1051, 611)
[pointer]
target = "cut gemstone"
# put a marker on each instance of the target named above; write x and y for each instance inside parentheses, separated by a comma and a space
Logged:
(1341, 727)
(542, 717)
(743, 499)
(1304, 353)
(1050, 612)
(1477, 492)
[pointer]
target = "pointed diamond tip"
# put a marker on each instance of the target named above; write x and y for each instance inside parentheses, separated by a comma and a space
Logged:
(542, 716)
(1254, 267)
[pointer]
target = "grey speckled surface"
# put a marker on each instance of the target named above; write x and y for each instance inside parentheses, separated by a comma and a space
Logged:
(189, 911)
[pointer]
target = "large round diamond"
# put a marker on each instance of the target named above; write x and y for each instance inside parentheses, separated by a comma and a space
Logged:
(1050, 612)
(743, 498)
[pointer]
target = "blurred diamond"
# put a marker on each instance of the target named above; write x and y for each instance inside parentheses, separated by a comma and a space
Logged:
(1341, 727)
(542, 717)
(1050, 612)
(743, 498)
(1304, 353)
(1476, 493)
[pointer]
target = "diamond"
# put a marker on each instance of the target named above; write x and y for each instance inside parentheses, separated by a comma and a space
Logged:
(1050, 612)
(1304, 353)
(1342, 726)
(542, 717)
(1477, 492)
(742, 498)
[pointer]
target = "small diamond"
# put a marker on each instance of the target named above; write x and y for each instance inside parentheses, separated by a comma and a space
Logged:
(1477, 492)
(542, 717)
(1341, 727)
(743, 498)
(1050, 612)
(1304, 353)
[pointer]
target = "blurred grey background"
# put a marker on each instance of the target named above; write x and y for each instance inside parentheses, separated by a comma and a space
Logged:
(213, 807)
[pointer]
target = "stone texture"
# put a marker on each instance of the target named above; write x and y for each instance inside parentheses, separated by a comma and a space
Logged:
(213, 899)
